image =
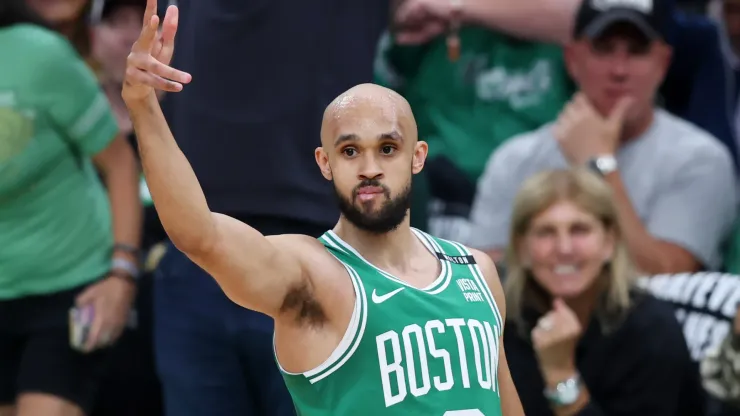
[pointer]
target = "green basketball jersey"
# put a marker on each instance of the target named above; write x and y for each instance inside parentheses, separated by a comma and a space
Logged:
(409, 351)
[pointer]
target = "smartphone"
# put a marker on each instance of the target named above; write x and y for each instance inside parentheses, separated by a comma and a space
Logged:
(80, 321)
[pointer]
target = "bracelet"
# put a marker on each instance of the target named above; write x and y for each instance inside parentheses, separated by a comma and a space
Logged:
(119, 274)
(126, 248)
(126, 266)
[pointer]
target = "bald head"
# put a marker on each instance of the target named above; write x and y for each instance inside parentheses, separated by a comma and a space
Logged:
(367, 106)
(369, 141)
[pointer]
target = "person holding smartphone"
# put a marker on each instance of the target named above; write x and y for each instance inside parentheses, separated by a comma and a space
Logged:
(70, 220)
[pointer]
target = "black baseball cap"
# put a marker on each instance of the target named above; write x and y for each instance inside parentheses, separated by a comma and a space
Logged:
(651, 17)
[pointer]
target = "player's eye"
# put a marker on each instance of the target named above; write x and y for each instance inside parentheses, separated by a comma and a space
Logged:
(387, 150)
(349, 151)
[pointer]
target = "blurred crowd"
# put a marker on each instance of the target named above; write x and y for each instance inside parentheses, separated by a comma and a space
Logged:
(590, 147)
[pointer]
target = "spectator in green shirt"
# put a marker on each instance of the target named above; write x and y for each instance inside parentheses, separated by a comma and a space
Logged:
(499, 86)
(68, 239)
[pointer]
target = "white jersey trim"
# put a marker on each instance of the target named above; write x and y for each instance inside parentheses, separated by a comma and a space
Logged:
(339, 353)
(478, 275)
(444, 272)
(356, 323)
(334, 245)
(438, 249)
(90, 117)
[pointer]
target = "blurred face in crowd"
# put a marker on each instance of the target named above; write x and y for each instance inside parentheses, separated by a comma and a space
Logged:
(731, 14)
(566, 248)
(370, 152)
(621, 62)
(114, 37)
(59, 11)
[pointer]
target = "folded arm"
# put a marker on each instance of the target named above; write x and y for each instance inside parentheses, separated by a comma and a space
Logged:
(419, 21)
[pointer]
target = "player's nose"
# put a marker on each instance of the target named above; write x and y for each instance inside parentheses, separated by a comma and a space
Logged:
(370, 169)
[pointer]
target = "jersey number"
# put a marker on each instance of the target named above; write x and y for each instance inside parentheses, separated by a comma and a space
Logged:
(466, 412)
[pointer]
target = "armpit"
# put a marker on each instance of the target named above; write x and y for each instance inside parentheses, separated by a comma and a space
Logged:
(302, 304)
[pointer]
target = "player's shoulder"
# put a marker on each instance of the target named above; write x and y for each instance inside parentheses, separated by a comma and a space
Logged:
(300, 243)
(491, 277)
(449, 246)
(486, 264)
(311, 253)
(481, 258)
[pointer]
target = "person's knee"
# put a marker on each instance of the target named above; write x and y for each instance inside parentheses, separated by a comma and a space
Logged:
(34, 404)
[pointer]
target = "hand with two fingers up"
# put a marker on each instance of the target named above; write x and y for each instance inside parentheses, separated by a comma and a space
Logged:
(147, 66)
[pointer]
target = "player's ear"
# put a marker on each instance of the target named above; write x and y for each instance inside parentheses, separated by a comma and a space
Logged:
(322, 159)
(420, 156)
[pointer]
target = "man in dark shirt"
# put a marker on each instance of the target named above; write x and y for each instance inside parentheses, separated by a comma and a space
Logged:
(263, 73)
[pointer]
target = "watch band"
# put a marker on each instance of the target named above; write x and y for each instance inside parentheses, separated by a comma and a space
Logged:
(603, 164)
(565, 392)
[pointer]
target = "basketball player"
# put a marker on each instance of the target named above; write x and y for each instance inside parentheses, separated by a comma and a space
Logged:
(373, 318)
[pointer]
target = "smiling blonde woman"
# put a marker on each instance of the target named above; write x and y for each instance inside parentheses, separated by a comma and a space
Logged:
(581, 338)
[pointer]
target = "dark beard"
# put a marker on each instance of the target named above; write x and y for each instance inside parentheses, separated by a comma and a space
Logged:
(388, 218)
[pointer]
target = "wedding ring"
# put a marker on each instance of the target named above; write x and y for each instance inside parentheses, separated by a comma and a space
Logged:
(105, 338)
(545, 324)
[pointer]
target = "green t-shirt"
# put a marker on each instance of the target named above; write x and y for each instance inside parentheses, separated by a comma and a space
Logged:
(500, 87)
(55, 220)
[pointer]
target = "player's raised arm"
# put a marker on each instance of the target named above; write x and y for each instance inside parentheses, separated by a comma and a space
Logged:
(248, 266)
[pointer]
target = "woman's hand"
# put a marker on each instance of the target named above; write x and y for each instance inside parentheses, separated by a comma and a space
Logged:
(555, 338)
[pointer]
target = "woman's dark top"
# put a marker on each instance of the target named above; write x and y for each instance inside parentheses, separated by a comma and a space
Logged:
(643, 367)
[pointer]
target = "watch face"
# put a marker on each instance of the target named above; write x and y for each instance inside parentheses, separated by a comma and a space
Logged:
(605, 164)
(569, 394)
(593, 166)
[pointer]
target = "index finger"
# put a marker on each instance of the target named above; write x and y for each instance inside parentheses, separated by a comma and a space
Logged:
(146, 38)
(148, 35)
(151, 10)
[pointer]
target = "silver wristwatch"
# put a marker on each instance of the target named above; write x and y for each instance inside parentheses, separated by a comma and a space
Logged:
(566, 392)
(603, 165)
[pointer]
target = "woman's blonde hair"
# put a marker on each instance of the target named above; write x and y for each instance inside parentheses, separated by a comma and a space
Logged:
(591, 194)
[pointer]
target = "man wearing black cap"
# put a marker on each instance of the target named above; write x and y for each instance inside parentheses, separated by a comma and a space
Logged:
(596, 16)
(673, 187)
(663, 170)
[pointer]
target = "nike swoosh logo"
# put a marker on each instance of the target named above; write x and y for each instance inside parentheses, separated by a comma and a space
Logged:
(381, 299)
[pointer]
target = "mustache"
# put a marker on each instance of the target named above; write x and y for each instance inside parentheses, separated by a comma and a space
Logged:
(373, 183)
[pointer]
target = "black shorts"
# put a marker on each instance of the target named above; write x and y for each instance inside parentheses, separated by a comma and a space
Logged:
(35, 355)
